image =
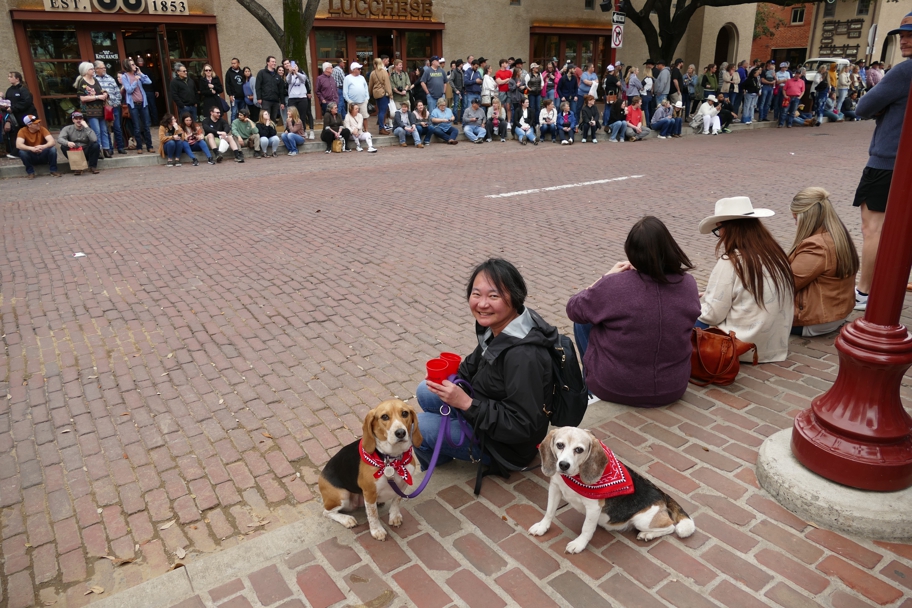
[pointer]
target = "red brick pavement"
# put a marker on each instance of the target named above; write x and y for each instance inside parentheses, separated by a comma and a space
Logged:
(230, 326)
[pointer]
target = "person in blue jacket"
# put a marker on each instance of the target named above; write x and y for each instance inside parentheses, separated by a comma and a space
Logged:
(566, 124)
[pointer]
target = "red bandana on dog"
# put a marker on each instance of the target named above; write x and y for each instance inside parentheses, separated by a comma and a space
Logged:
(388, 467)
(615, 481)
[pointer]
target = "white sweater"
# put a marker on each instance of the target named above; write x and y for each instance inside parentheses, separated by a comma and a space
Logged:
(726, 304)
(706, 109)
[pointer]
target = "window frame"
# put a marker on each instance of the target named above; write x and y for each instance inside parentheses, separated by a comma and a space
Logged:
(867, 8)
(795, 10)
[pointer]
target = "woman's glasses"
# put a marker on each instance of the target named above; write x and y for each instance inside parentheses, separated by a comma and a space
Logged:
(716, 230)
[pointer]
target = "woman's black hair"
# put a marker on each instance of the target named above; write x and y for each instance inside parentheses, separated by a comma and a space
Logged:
(506, 279)
(654, 252)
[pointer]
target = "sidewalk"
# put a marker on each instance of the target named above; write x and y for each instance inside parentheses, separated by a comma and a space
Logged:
(454, 549)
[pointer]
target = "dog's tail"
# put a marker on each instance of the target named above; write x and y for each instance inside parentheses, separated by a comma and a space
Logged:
(684, 525)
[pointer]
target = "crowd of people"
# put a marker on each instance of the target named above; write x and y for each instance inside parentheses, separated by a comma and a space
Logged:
(486, 102)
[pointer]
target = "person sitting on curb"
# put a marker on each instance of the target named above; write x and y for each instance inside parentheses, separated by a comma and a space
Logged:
(36, 146)
(473, 122)
(334, 128)
(523, 123)
(245, 132)
(663, 119)
(294, 134)
(79, 135)
(547, 120)
(268, 134)
(194, 136)
(403, 126)
(218, 136)
(354, 122)
(442, 123)
(636, 120)
(709, 114)
(171, 142)
(497, 121)
(566, 124)
(589, 120)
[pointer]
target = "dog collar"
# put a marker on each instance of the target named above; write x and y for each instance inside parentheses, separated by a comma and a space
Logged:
(615, 480)
(387, 465)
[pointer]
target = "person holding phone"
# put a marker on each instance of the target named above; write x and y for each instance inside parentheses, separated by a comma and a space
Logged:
(132, 80)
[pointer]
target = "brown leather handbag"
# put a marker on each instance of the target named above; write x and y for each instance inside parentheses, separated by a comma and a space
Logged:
(715, 357)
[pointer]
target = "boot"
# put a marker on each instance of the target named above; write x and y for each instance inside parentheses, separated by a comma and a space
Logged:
(238, 156)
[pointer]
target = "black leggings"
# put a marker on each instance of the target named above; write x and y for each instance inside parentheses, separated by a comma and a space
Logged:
(328, 136)
(303, 106)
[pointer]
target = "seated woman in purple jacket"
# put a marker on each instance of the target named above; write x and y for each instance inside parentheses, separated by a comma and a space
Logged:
(633, 325)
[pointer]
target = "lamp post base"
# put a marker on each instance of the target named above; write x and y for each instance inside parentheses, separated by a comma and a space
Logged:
(858, 433)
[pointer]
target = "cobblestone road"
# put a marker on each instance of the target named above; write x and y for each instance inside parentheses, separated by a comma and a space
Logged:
(229, 326)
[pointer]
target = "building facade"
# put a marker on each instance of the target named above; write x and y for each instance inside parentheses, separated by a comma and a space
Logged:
(47, 39)
(857, 30)
(791, 31)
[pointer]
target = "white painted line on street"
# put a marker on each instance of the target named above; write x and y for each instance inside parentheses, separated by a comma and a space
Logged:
(550, 188)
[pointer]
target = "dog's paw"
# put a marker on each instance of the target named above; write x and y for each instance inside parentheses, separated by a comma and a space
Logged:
(647, 536)
(379, 534)
(348, 521)
(576, 546)
(395, 520)
(539, 529)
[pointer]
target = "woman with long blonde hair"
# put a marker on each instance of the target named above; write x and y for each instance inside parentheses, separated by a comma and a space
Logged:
(824, 262)
(294, 134)
(268, 136)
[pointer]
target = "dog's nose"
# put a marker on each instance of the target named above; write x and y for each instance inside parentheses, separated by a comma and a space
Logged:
(564, 465)
(400, 433)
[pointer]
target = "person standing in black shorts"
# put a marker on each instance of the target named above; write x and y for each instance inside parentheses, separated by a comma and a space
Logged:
(886, 103)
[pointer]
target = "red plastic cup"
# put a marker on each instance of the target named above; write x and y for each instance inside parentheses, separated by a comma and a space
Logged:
(453, 360)
(437, 370)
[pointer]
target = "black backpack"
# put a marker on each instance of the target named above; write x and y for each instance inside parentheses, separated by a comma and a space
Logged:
(571, 397)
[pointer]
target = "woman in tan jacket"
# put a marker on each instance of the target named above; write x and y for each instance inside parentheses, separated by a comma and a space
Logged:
(824, 262)
(381, 89)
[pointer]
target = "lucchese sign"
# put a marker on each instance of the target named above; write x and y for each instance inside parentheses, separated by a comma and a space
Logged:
(156, 7)
(382, 9)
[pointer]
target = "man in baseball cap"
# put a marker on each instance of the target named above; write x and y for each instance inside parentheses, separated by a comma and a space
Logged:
(355, 90)
(80, 135)
(36, 146)
(886, 103)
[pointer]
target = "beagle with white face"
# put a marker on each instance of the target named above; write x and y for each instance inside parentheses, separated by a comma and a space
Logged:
(585, 474)
(366, 467)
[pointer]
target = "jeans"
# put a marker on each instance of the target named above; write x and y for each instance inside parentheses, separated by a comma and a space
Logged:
(424, 133)
(534, 105)
(548, 128)
(201, 145)
(429, 420)
(617, 130)
(663, 126)
(789, 112)
(841, 94)
(118, 130)
(747, 112)
(457, 106)
(91, 151)
(174, 147)
(235, 108)
(402, 134)
(833, 116)
(821, 105)
(265, 142)
(140, 118)
(648, 108)
(577, 107)
(766, 99)
(431, 104)
(188, 109)
(676, 129)
(736, 99)
(342, 105)
(581, 333)
(520, 134)
(95, 123)
(292, 141)
(382, 107)
(777, 104)
(589, 131)
(47, 156)
(474, 131)
(468, 97)
(445, 132)
(659, 99)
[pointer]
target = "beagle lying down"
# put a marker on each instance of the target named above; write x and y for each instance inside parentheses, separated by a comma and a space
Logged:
(364, 469)
(585, 474)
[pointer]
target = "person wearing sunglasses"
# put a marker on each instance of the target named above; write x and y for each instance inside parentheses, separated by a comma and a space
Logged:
(210, 90)
(218, 136)
(183, 91)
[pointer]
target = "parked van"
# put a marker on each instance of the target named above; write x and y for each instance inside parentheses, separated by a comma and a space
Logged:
(813, 64)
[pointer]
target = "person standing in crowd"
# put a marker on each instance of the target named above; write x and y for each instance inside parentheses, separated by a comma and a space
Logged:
(767, 84)
(610, 84)
(473, 122)
(792, 92)
(403, 126)
(234, 87)
(457, 86)
(568, 88)
(473, 80)
(433, 82)
(886, 104)
(21, 102)
(417, 93)
(662, 86)
(250, 92)
(270, 88)
(132, 79)
(821, 89)
(338, 75)
(516, 93)
(534, 89)
(36, 146)
(218, 132)
(183, 92)
(616, 121)
(636, 120)
(502, 78)
(400, 84)
(381, 90)
(8, 128)
(751, 290)
(92, 99)
(333, 128)
(690, 89)
(731, 83)
(269, 137)
(245, 132)
(782, 76)
(355, 91)
(874, 75)
(648, 94)
(151, 89)
(327, 92)
(80, 135)
(678, 89)
(550, 78)
(751, 86)
(283, 95)
(294, 134)
(824, 262)
(194, 136)
(210, 90)
(299, 95)
(354, 122)
(114, 101)
(589, 120)
(171, 142)
(844, 84)
(497, 120)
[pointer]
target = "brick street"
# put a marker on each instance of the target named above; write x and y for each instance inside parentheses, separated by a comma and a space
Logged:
(174, 393)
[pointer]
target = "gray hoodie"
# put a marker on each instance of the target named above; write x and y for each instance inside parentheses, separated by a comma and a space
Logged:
(886, 103)
(662, 83)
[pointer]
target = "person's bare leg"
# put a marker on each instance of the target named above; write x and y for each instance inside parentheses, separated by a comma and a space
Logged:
(871, 225)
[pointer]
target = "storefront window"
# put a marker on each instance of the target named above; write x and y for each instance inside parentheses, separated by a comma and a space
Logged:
(570, 52)
(331, 45)
(364, 50)
(417, 48)
(188, 46)
(104, 48)
(545, 48)
(56, 67)
(586, 55)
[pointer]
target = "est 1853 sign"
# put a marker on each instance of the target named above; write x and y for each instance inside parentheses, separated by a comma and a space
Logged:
(156, 7)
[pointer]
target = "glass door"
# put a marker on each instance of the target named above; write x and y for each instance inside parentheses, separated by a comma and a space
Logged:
(364, 52)
(106, 49)
(55, 50)
(141, 45)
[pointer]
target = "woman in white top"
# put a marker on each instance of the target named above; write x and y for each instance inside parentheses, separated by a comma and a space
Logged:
(489, 87)
(751, 290)
(524, 127)
(547, 120)
(709, 114)
(354, 122)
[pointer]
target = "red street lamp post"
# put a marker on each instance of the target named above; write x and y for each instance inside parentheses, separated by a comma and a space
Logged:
(857, 433)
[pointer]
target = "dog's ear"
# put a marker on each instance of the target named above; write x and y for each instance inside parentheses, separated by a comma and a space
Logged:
(592, 468)
(368, 442)
(413, 428)
(546, 451)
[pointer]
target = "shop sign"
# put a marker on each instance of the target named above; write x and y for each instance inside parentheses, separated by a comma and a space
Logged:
(382, 9)
(155, 7)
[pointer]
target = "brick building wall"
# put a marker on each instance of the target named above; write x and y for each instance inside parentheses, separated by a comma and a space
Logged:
(792, 36)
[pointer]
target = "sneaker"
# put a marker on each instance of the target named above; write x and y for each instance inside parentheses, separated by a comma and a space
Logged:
(15, 157)
(257, 154)
(612, 141)
(293, 153)
(210, 160)
(170, 163)
(535, 143)
(595, 141)
(311, 135)
(327, 151)
(238, 156)
(564, 142)
(419, 145)
(371, 150)
(584, 140)
(358, 149)
(659, 137)
(218, 157)
(502, 139)
(861, 300)
(196, 162)
(177, 163)
(488, 140)
(509, 127)
(726, 130)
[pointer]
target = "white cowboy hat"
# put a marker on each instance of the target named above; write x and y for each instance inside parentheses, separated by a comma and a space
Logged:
(679, 104)
(711, 98)
(734, 208)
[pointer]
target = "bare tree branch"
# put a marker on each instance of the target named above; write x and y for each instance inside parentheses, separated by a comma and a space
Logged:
(266, 19)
